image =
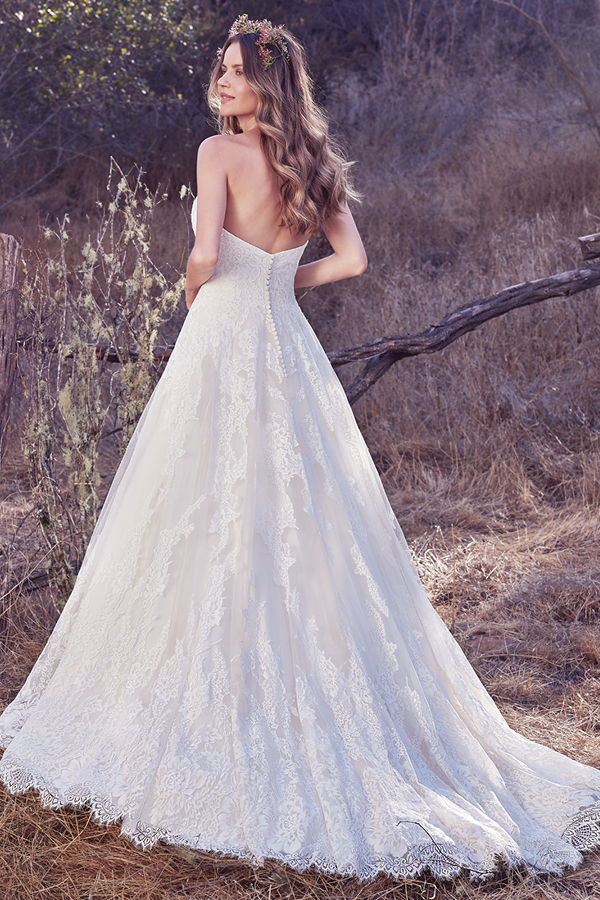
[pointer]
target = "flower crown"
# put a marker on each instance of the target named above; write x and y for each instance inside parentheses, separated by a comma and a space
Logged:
(267, 34)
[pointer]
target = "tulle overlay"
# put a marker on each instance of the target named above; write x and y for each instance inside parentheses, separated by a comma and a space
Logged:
(248, 663)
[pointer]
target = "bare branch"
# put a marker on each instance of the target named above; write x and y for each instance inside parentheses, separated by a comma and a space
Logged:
(384, 352)
(573, 75)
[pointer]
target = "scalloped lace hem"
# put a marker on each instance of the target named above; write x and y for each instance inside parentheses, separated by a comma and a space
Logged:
(583, 833)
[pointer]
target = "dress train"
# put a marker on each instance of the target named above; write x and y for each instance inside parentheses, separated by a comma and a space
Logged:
(248, 663)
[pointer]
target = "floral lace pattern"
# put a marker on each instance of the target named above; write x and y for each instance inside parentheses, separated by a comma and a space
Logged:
(248, 663)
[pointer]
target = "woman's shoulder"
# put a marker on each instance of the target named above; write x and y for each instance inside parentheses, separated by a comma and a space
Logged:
(219, 144)
(228, 153)
(211, 149)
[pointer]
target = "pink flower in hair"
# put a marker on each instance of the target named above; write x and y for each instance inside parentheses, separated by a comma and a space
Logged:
(267, 34)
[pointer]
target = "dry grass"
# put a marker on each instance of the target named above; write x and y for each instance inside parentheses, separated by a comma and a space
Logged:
(64, 855)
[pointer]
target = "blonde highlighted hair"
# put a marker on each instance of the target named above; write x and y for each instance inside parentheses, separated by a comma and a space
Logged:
(313, 172)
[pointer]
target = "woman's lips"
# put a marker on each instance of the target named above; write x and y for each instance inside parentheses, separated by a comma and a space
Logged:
(225, 97)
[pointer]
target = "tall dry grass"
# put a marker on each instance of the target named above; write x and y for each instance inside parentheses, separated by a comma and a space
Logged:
(475, 181)
(479, 169)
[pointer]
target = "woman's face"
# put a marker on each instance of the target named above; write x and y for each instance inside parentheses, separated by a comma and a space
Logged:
(236, 95)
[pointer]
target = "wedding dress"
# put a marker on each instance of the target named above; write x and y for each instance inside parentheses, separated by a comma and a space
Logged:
(248, 663)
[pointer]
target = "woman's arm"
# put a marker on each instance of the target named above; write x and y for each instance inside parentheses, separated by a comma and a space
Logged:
(347, 260)
(212, 200)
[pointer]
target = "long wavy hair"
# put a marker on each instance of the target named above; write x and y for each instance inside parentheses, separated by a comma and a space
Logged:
(313, 171)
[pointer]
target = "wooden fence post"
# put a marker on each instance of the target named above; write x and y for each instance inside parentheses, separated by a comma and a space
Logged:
(9, 254)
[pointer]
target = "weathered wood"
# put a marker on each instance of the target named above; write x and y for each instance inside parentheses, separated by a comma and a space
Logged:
(384, 352)
(590, 246)
(9, 254)
(103, 351)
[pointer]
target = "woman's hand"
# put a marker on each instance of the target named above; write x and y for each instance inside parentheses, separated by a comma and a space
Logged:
(200, 267)
(347, 260)
(190, 296)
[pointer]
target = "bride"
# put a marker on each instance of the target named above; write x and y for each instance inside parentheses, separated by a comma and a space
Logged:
(248, 663)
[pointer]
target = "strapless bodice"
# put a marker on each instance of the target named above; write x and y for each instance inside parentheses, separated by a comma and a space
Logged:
(259, 271)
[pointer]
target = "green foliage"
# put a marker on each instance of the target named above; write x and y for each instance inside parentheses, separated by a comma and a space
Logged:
(81, 76)
(89, 79)
(112, 304)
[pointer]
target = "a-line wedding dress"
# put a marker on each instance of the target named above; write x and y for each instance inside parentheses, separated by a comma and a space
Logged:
(248, 663)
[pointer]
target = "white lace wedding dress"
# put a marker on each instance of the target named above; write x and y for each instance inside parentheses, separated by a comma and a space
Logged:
(248, 663)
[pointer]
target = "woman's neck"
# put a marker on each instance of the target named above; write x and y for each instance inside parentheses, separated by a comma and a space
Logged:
(247, 123)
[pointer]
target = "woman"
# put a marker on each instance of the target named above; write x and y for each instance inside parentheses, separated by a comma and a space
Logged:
(248, 663)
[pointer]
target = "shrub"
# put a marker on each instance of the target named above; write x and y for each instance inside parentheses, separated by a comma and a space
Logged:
(108, 307)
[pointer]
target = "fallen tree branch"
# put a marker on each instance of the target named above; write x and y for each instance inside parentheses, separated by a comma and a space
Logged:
(384, 352)
(103, 351)
(589, 245)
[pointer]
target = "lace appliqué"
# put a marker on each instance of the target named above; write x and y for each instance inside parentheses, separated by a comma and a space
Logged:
(248, 663)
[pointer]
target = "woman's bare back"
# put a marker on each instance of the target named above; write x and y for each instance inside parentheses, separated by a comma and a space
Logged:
(253, 211)
(239, 191)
